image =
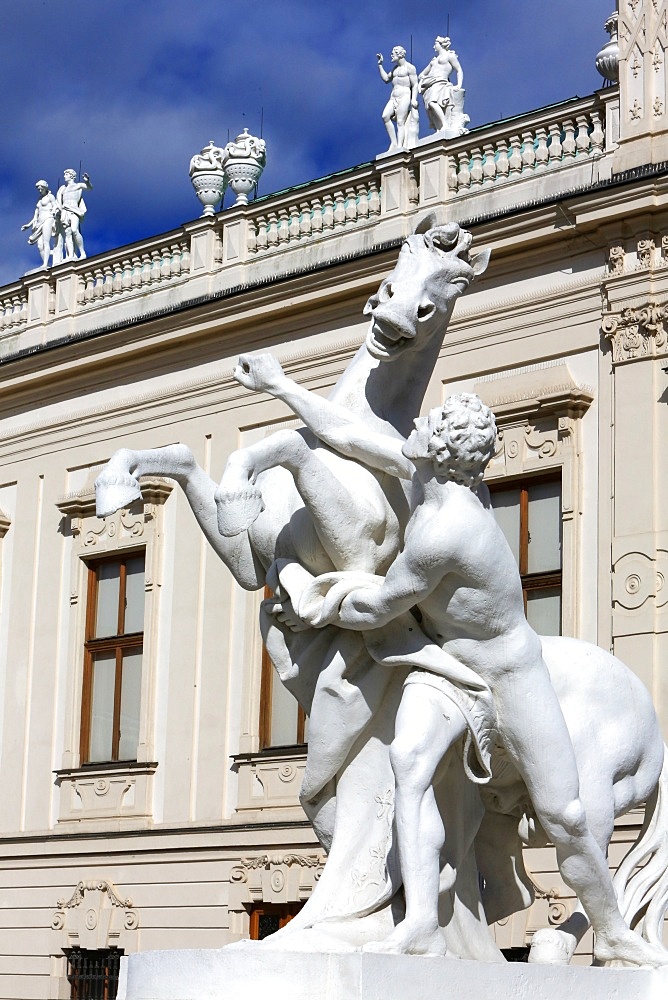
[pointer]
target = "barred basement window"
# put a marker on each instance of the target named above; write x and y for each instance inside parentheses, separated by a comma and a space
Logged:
(267, 918)
(113, 648)
(93, 975)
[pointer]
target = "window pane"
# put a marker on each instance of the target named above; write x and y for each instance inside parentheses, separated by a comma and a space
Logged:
(544, 610)
(506, 506)
(102, 709)
(283, 715)
(108, 582)
(134, 594)
(544, 528)
(130, 702)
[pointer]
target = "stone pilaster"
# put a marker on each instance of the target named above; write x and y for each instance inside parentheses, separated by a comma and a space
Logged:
(643, 83)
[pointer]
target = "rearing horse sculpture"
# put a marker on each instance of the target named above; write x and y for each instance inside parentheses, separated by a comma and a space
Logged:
(350, 699)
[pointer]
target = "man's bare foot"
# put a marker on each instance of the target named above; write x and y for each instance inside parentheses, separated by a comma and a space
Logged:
(550, 946)
(411, 939)
(629, 950)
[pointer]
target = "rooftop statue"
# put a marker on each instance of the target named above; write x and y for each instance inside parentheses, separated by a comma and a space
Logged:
(343, 520)
(402, 108)
(44, 225)
(246, 159)
(72, 212)
(443, 100)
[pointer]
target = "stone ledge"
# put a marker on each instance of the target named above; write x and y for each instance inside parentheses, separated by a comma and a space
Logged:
(254, 972)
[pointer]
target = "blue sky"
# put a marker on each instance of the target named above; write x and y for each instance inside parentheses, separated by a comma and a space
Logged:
(132, 88)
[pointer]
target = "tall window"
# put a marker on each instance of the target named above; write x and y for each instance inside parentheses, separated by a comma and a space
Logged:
(113, 659)
(529, 514)
(93, 975)
(283, 721)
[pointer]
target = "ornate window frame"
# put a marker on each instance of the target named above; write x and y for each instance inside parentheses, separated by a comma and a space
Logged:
(122, 790)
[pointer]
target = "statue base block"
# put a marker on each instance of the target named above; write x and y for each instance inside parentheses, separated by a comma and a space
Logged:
(255, 972)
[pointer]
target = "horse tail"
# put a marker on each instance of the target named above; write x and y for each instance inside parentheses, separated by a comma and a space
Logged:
(641, 881)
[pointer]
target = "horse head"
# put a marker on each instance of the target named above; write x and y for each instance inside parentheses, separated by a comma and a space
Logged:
(416, 300)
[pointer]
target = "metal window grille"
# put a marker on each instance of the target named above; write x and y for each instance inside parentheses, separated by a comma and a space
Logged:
(93, 975)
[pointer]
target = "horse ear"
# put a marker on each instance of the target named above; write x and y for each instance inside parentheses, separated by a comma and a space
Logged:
(429, 222)
(480, 261)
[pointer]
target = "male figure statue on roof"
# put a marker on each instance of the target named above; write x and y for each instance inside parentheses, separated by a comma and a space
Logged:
(402, 107)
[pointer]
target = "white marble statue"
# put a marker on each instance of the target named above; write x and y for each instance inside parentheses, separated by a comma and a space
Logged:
(72, 211)
(343, 521)
(402, 108)
(44, 225)
(246, 157)
(444, 100)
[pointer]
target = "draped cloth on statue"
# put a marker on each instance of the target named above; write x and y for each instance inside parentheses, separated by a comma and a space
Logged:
(351, 683)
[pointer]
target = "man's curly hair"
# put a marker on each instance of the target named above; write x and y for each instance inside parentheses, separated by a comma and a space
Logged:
(463, 439)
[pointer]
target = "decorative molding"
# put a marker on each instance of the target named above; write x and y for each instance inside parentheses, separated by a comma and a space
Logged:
(96, 916)
(271, 878)
(636, 332)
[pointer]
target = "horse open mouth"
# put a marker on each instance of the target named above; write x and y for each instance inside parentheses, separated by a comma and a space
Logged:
(384, 341)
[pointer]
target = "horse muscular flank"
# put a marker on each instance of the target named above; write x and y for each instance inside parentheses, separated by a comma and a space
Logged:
(257, 515)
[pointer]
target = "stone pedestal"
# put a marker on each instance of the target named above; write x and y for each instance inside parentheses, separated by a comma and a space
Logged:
(255, 972)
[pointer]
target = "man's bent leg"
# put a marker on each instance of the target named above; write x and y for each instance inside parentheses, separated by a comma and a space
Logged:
(541, 748)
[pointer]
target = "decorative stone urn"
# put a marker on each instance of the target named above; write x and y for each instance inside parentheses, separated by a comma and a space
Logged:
(245, 161)
(208, 176)
(607, 60)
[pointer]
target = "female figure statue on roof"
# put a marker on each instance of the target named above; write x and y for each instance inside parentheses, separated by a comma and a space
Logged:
(443, 100)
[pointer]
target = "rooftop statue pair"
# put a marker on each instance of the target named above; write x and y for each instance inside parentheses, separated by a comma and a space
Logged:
(443, 100)
(434, 748)
(59, 218)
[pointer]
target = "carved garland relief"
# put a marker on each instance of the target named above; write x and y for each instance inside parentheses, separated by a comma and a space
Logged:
(96, 916)
(636, 332)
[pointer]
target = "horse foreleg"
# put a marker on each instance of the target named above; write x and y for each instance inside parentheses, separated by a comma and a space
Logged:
(117, 486)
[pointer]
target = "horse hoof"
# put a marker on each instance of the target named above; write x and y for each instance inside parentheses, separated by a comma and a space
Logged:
(548, 947)
(112, 496)
(238, 510)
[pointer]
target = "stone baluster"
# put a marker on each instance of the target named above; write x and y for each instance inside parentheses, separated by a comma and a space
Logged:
(339, 209)
(451, 174)
(108, 282)
(18, 311)
(272, 229)
(98, 288)
(89, 279)
(251, 236)
(185, 257)
(175, 260)
(283, 226)
(464, 174)
(476, 167)
(528, 151)
(502, 164)
(569, 145)
(362, 202)
(261, 233)
(374, 198)
(293, 223)
(316, 217)
(489, 163)
(117, 279)
(542, 152)
(145, 269)
(156, 266)
(583, 141)
(597, 135)
(165, 264)
(555, 149)
(136, 272)
(515, 158)
(413, 188)
(305, 220)
(81, 290)
(351, 205)
(126, 281)
(328, 212)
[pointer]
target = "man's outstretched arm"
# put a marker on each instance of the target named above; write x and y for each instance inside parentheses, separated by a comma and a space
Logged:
(332, 424)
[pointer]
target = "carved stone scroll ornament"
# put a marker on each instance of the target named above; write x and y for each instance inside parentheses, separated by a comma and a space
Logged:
(636, 332)
(95, 916)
